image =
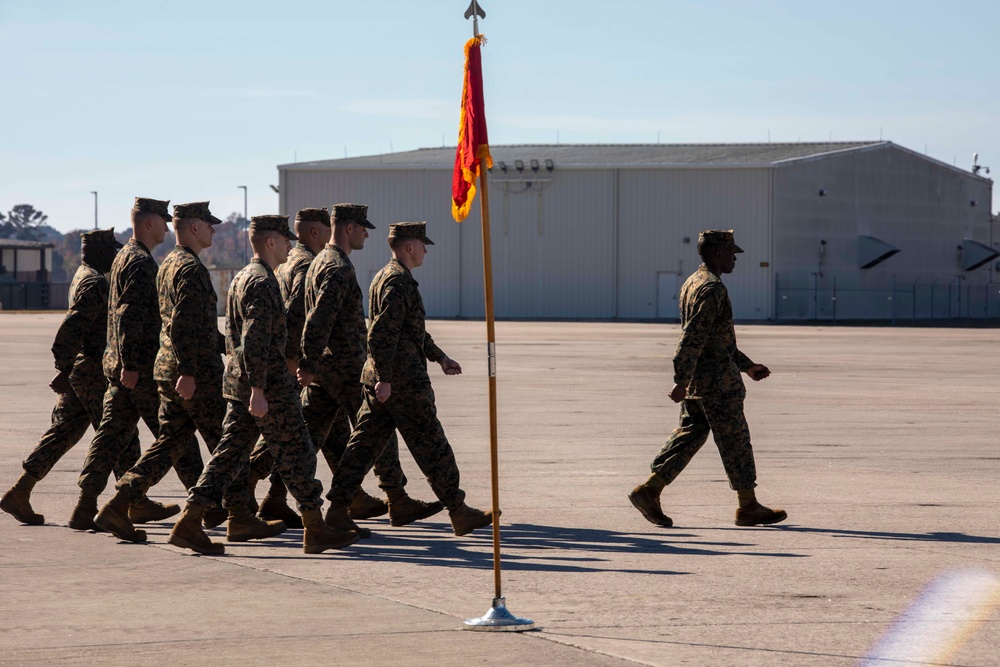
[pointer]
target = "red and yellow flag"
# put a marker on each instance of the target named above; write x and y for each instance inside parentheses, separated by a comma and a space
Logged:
(473, 144)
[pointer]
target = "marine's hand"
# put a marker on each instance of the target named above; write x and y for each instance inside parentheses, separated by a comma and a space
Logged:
(60, 383)
(305, 378)
(450, 366)
(293, 364)
(258, 403)
(129, 378)
(758, 372)
(186, 387)
(678, 393)
(383, 390)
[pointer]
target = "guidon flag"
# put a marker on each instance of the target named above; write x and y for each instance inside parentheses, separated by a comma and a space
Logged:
(473, 145)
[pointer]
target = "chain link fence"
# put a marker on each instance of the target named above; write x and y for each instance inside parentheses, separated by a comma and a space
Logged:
(901, 302)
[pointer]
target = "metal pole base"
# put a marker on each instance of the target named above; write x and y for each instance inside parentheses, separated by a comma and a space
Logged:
(498, 619)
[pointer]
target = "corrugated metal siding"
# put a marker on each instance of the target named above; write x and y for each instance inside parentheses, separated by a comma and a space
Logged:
(661, 208)
(393, 196)
(889, 194)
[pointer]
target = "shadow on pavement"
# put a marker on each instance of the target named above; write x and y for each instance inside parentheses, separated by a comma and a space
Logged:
(955, 538)
(549, 548)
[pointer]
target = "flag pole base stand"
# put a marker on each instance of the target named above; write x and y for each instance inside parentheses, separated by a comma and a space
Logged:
(498, 619)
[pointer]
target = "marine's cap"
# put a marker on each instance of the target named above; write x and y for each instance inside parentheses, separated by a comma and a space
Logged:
(101, 237)
(352, 213)
(718, 237)
(146, 205)
(198, 209)
(410, 230)
(272, 223)
(313, 215)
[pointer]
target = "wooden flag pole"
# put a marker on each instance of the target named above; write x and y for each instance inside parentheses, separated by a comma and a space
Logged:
(484, 204)
(498, 617)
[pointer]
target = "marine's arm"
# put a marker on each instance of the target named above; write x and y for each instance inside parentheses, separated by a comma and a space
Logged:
(136, 300)
(694, 336)
(319, 323)
(383, 336)
(295, 313)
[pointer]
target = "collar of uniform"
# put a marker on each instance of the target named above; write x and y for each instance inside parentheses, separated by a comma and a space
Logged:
(258, 260)
(305, 248)
(406, 270)
(139, 243)
(188, 251)
(340, 251)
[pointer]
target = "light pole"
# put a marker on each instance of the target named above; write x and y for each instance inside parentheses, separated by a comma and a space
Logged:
(246, 222)
(94, 192)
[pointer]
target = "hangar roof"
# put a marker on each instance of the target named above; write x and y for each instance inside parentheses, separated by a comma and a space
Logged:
(602, 155)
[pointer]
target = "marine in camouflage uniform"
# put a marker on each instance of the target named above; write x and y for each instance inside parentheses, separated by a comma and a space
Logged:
(190, 348)
(707, 383)
(263, 399)
(333, 355)
(80, 382)
(132, 343)
(291, 277)
(397, 389)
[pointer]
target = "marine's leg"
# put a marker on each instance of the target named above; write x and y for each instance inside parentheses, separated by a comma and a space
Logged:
(286, 435)
(732, 436)
(680, 448)
(415, 414)
(118, 420)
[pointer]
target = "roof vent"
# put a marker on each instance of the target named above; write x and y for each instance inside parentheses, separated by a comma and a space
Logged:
(975, 254)
(872, 251)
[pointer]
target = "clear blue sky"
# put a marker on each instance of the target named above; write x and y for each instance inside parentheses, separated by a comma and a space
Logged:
(186, 100)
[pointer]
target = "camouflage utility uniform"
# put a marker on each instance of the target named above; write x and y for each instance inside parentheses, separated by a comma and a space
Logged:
(333, 349)
(78, 348)
(708, 363)
(291, 277)
(190, 344)
(255, 341)
(132, 342)
(398, 351)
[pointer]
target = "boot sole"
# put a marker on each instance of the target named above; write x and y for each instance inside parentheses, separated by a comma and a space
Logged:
(320, 548)
(168, 511)
(777, 518)
(214, 550)
(261, 536)
(29, 519)
(648, 513)
(431, 510)
(370, 514)
(109, 525)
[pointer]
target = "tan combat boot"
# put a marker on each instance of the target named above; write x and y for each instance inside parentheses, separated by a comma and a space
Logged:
(147, 510)
(276, 508)
(114, 518)
(187, 532)
(646, 499)
(364, 506)
(404, 510)
(752, 513)
(339, 519)
(319, 536)
(244, 526)
(17, 501)
(465, 519)
(84, 512)
(215, 517)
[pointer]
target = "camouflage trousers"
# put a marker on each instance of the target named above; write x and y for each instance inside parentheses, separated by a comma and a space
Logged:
(723, 417)
(262, 463)
(178, 419)
(121, 411)
(74, 412)
(329, 407)
(413, 412)
(287, 438)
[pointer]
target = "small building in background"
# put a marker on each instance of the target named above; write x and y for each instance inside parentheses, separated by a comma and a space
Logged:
(840, 230)
(25, 276)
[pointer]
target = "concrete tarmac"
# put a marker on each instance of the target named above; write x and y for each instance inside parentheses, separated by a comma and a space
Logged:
(881, 443)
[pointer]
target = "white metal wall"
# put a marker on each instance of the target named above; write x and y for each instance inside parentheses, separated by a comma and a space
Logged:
(917, 206)
(661, 212)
